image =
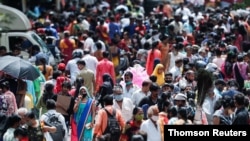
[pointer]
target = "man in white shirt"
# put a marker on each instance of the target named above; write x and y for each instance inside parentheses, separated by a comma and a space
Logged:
(125, 105)
(97, 40)
(183, 10)
(141, 93)
(151, 126)
(178, 25)
(129, 88)
(209, 103)
(173, 55)
(91, 61)
(89, 42)
(176, 70)
(51, 106)
(71, 67)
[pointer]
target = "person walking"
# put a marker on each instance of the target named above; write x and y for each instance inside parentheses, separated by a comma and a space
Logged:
(84, 110)
(101, 123)
(104, 66)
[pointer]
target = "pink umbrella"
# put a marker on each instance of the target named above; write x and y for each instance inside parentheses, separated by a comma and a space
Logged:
(139, 75)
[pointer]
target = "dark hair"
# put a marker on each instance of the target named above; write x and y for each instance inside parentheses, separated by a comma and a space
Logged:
(219, 81)
(56, 73)
(145, 83)
(108, 100)
(82, 62)
(12, 120)
(50, 104)
(49, 87)
(43, 62)
(163, 37)
(173, 111)
(49, 40)
(108, 78)
(135, 110)
(185, 60)
(227, 101)
(165, 96)
(153, 78)
(66, 84)
(182, 111)
(77, 53)
(5, 84)
(229, 64)
(168, 74)
(48, 91)
(218, 51)
(170, 85)
(247, 102)
(20, 131)
(239, 99)
(98, 45)
(105, 54)
(240, 57)
(130, 74)
(35, 49)
(79, 83)
(147, 45)
(3, 48)
(31, 114)
(154, 87)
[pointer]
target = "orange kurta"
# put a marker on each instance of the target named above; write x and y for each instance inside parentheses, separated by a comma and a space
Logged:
(101, 120)
(156, 54)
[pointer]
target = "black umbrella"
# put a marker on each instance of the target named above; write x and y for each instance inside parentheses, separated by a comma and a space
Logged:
(18, 68)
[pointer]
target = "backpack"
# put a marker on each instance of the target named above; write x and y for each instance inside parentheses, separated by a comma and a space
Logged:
(113, 127)
(53, 120)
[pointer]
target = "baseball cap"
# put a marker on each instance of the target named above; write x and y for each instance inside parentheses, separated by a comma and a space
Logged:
(180, 96)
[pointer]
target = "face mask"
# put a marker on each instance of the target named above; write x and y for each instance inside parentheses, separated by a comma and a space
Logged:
(84, 95)
(128, 83)
(155, 118)
(118, 97)
(139, 117)
(168, 81)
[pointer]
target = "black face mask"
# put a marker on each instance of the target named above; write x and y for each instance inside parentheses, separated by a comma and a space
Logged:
(84, 95)
(190, 81)
(168, 81)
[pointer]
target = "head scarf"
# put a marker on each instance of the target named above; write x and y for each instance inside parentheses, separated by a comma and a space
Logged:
(85, 88)
(160, 77)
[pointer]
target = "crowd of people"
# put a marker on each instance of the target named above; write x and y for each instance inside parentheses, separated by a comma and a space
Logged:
(183, 64)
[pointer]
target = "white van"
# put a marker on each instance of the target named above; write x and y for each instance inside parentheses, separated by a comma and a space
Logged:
(15, 28)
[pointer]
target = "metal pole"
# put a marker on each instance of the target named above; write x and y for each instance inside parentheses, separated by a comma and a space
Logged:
(24, 5)
(58, 5)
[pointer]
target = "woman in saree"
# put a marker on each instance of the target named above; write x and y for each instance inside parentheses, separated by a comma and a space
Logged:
(84, 109)
(153, 54)
(75, 93)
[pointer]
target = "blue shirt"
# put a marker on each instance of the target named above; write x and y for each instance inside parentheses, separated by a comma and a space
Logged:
(113, 29)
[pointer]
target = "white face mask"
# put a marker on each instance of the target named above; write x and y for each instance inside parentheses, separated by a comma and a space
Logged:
(118, 97)
(155, 118)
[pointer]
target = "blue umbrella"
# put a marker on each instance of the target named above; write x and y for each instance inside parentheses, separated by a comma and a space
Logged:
(18, 68)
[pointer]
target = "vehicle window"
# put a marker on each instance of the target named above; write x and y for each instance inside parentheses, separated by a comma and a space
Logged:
(22, 42)
(18, 41)
(40, 42)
